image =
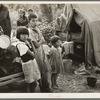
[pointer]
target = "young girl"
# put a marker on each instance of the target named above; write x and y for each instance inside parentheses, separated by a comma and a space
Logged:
(55, 59)
(22, 20)
(27, 54)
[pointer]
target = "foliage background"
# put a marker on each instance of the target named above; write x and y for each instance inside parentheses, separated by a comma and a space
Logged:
(57, 10)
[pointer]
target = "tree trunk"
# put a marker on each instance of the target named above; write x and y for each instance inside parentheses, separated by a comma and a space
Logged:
(46, 10)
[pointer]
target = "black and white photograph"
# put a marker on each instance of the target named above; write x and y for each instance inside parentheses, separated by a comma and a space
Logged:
(49, 47)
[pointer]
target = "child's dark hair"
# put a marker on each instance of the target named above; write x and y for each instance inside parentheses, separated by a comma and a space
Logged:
(32, 16)
(54, 39)
(23, 11)
(47, 30)
(30, 10)
(22, 30)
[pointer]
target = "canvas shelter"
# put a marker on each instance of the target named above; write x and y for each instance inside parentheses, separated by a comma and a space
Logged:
(84, 18)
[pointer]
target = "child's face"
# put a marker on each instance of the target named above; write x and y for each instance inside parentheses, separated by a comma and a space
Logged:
(58, 43)
(23, 37)
(30, 12)
(48, 36)
(20, 14)
(62, 35)
(33, 22)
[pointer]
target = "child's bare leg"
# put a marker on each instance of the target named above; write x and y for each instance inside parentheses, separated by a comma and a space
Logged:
(55, 80)
(40, 84)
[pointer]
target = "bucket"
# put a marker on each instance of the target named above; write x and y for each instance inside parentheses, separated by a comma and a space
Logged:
(91, 81)
(67, 66)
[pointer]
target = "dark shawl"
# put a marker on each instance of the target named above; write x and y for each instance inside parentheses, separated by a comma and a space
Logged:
(5, 22)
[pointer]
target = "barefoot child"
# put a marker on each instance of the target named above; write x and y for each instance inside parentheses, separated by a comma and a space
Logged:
(55, 59)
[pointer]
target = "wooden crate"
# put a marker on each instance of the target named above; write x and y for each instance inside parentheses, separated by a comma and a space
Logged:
(11, 79)
(67, 66)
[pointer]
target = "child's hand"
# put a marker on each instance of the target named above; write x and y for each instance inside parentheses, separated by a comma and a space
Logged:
(28, 39)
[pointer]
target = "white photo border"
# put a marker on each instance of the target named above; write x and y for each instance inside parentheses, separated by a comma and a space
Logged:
(69, 96)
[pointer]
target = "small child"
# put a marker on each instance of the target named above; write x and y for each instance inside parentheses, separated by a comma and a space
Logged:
(27, 54)
(22, 20)
(55, 59)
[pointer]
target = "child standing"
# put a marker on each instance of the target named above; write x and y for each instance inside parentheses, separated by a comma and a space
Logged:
(55, 59)
(29, 64)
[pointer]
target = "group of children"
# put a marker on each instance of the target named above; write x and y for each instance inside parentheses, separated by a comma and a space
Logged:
(40, 54)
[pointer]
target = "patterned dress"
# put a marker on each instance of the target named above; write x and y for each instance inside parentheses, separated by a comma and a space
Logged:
(56, 61)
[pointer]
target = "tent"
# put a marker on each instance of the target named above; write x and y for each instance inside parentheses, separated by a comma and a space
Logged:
(87, 19)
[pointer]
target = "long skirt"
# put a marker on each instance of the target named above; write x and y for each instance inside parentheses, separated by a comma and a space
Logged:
(31, 71)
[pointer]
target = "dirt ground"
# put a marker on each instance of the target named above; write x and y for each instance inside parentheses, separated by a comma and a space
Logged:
(76, 84)
(69, 83)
